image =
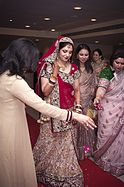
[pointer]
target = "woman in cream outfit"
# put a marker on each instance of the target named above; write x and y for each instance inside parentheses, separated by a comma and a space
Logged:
(16, 158)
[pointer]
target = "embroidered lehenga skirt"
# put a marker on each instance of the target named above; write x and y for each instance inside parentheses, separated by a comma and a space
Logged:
(56, 160)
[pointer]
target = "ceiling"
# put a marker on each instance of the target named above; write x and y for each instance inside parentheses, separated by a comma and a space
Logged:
(107, 30)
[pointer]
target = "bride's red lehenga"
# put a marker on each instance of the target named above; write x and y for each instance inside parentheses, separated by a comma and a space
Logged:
(55, 151)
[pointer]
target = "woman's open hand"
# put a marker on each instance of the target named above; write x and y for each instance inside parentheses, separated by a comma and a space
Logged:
(97, 104)
(84, 120)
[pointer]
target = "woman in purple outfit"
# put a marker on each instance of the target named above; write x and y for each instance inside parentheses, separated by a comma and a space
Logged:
(110, 95)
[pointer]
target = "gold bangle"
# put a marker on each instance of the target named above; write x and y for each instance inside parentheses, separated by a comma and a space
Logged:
(53, 77)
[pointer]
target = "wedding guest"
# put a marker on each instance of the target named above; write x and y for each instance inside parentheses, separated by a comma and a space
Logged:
(98, 64)
(106, 62)
(17, 167)
(86, 139)
(110, 98)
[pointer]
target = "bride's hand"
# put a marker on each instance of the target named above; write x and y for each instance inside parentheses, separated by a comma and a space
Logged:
(84, 120)
(56, 66)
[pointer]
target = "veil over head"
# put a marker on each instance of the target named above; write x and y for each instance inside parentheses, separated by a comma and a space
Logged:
(50, 57)
(51, 54)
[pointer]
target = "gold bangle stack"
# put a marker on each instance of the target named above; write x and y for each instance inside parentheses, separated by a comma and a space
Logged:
(53, 77)
(52, 80)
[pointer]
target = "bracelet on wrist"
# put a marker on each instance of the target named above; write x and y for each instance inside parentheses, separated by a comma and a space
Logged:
(52, 82)
(78, 106)
(53, 77)
(97, 99)
(78, 110)
(69, 116)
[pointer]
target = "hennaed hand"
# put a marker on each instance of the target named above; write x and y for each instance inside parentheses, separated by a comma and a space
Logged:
(56, 66)
(84, 120)
(97, 104)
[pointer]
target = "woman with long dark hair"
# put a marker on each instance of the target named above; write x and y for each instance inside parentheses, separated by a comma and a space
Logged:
(110, 95)
(98, 64)
(16, 159)
(86, 139)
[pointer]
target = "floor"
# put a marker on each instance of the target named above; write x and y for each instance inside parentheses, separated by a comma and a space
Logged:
(35, 115)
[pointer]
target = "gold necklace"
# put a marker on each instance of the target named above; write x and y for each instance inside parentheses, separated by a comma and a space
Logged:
(62, 67)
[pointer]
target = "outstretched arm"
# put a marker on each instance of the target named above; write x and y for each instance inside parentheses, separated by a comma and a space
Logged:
(21, 90)
(99, 95)
(77, 91)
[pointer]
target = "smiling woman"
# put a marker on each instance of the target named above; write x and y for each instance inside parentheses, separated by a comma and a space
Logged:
(16, 159)
(55, 151)
(110, 94)
(86, 139)
(59, 84)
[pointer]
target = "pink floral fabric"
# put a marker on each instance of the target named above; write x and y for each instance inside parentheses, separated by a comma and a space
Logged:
(110, 147)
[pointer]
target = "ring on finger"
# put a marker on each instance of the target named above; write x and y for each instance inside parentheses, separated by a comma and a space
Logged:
(87, 124)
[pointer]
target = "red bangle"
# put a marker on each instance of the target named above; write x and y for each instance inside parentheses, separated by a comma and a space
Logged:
(52, 82)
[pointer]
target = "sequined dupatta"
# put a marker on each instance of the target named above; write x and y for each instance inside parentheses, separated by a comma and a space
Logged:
(62, 94)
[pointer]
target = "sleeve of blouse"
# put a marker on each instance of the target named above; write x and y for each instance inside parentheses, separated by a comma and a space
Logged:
(46, 71)
(75, 72)
(104, 78)
(21, 90)
(106, 73)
